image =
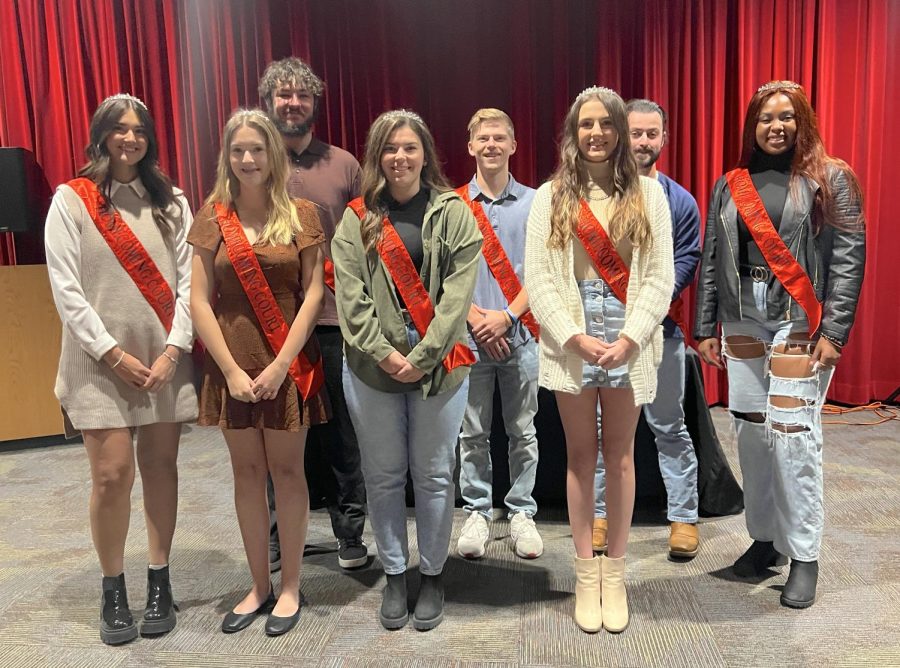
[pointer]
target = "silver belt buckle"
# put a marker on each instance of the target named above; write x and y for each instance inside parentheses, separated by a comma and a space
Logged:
(759, 274)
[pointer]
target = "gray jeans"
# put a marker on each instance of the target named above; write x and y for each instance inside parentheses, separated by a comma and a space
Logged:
(517, 377)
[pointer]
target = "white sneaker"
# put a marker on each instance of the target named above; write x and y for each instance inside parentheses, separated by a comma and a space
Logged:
(525, 537)
(473, 537)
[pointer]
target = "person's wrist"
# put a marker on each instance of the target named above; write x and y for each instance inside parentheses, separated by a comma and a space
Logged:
(112, 355)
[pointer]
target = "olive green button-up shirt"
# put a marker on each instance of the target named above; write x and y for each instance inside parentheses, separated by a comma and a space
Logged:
(369, 312)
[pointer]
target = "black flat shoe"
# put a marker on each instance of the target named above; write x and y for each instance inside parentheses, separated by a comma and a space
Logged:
(116, 623)
(159, 615)
(235, 621)
(800, 589)
(759, 558)
(276, 626)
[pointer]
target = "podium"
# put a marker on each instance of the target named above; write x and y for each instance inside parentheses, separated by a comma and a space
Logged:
(29, 356)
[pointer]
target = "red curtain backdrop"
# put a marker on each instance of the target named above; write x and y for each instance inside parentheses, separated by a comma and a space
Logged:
(194, 61)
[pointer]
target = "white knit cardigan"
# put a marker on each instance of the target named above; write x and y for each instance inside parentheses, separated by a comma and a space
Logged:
(555, 299)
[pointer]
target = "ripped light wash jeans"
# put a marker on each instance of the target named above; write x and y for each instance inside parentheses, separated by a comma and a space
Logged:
(780, 459)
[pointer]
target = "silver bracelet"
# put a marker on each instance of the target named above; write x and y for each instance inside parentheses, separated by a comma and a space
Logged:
(170, 358)
(118, 361)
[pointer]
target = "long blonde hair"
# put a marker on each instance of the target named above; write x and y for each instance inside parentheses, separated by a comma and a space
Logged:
(628, 217)
(282, 222)
(374, 182)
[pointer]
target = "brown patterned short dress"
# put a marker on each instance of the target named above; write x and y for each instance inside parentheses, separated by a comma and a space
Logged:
(244, 336)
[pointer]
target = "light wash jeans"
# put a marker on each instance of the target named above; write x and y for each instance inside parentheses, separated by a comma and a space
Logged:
(517, 376)
(677, 458)
(782, 472)
(604, 317)
(400, 433)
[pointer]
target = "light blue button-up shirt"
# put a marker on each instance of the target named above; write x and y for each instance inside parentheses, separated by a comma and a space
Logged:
(508, 215)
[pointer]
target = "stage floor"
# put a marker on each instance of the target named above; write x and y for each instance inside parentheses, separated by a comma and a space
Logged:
(501, 611)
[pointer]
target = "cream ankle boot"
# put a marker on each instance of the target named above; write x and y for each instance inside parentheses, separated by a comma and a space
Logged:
(587, 595)
(615, 601)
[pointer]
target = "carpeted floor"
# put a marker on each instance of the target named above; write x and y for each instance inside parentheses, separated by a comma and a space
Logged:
(501, 611)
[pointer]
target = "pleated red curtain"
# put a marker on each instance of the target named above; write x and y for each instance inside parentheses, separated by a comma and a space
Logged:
(194, 61)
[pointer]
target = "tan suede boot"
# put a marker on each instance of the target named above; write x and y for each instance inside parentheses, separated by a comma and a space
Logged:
(615, 600)
(588, 614)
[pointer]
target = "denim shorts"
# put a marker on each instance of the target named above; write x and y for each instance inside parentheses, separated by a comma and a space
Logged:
(604, 317)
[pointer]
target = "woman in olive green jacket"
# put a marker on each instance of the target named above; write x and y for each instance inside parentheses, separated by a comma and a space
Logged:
(406, 385)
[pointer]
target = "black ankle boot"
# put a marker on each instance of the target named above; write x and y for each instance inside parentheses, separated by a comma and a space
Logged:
(394, 611)
(429, 610)
(159, 615)
(800, 589)
(758, 558)
(116, 623)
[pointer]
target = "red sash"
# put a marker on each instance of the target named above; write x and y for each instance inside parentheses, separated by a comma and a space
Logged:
(329, 274)
(399, 265)
(309, 377)
(497, 260)
(128, 250)
(610, 265)
(778, 256)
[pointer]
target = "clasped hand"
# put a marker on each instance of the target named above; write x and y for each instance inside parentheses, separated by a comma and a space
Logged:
(262, 388)
(600, 353)
(398, 367)
(489, 332)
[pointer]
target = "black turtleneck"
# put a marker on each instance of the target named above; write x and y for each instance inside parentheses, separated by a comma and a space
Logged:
(407, 219)
(770, 175)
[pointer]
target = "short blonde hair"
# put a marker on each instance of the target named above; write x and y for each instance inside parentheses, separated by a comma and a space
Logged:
(490, 114)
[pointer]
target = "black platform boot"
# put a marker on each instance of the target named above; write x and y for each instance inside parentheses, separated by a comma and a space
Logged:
(429, 610)
(800, 589)
(159, 615)
(394, 611)
(758, 558)
(116, 623)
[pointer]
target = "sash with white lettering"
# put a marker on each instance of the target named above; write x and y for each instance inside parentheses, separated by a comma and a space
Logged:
(129, 251)
(497, 259)
(308, 376)
(403, 272)
(778, 256)
(609, 263)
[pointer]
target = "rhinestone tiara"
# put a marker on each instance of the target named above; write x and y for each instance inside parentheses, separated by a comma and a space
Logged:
(129, 98)
(402, 113)
(778, 85)
(594, 90)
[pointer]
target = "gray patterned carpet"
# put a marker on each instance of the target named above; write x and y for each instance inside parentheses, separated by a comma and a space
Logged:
(501, 612)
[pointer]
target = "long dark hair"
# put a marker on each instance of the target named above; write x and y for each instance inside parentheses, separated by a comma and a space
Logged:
(159, 186)
(374, 182)
(810, 157)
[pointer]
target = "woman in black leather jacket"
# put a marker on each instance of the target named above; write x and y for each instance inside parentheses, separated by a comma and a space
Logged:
(782, 266)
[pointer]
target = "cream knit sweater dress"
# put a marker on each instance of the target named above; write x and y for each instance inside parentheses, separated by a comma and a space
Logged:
(100, 306)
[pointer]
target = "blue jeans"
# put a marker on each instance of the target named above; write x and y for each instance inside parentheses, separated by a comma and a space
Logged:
(677, 459)
(517, 375)
(400, 433)
(604, 317)
(782, 470)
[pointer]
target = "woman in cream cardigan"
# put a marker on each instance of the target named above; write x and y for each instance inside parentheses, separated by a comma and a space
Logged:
(592, 345)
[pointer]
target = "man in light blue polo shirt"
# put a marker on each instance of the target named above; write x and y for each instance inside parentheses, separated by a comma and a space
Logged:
(504, 346)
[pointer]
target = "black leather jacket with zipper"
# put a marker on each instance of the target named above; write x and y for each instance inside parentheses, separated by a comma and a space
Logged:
(834, 259)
